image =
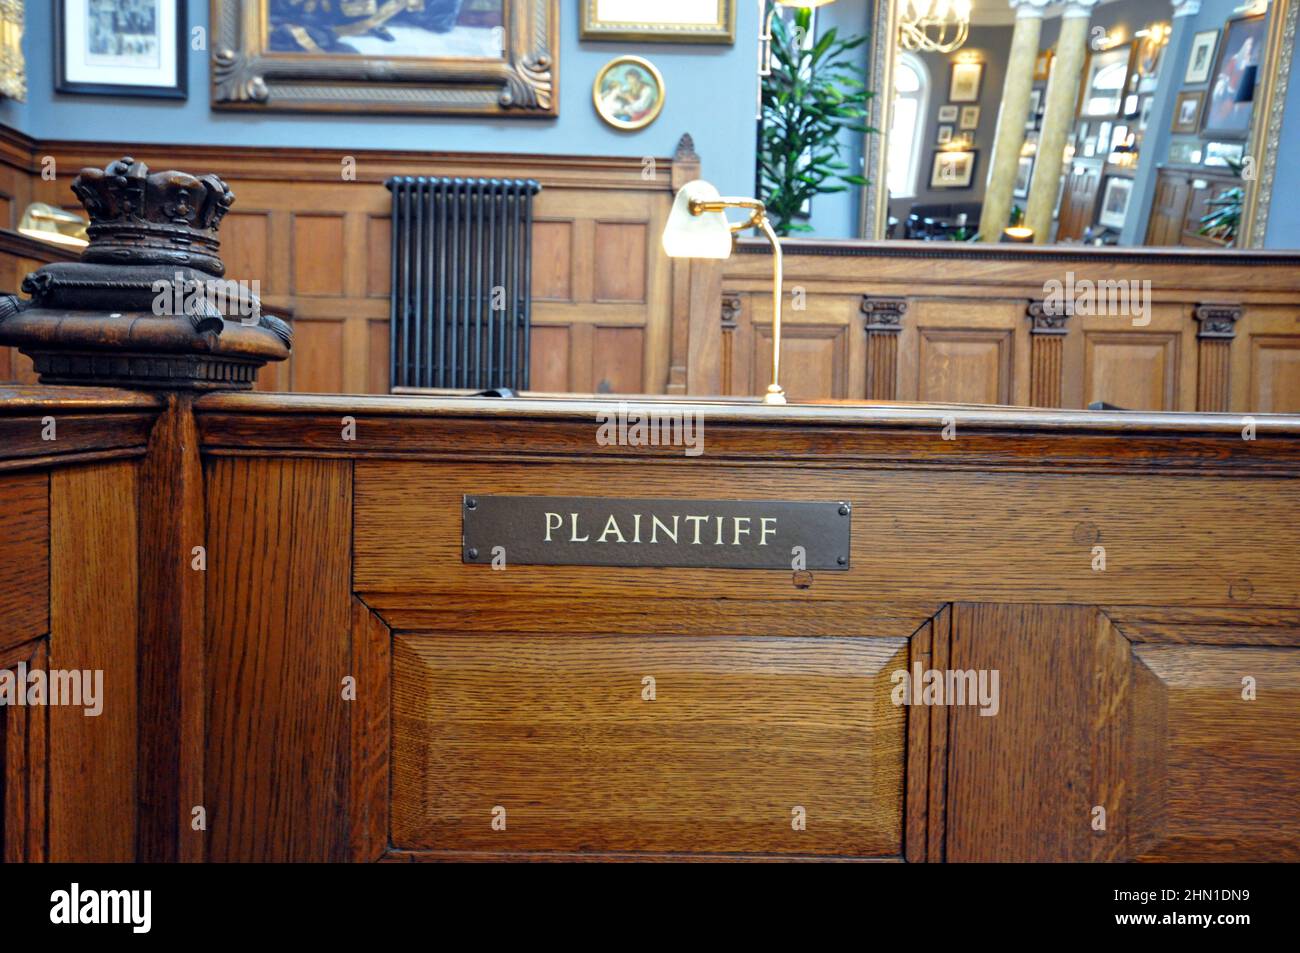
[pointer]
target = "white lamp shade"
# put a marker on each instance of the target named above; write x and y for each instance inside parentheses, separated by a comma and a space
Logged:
(706, 235)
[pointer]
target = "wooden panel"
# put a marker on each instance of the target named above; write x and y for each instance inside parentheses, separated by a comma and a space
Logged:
(1023, 782)
(1219, 767)
(968, 367)
(549, 358)
(617, 354)
(813, 360)
(316, 264)
(317, 361)
(1079, 202)
(620, 262)
(552, 261)
(379, 251)
(558, 734)
(1275, 374)
(93, 620)
(370, 734)
(244, 240)
(378, 364)
(1131, 369)
(908, 513)
(279, 646)
(24, 557)
(23, 765)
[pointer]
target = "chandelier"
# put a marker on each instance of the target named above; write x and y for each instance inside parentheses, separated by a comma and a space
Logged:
(937, 25)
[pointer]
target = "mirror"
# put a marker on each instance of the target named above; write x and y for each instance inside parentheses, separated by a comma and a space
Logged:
(1136, 122)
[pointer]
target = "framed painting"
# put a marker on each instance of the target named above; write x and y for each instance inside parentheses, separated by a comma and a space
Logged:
(1105, 81)
(1187, 110)
(952, 170)
(964, 84)
(628, 92)
(1201, 57)
(120, 48)
(436, 57)
(1230, 100)
(1114, 202)
(676, 21)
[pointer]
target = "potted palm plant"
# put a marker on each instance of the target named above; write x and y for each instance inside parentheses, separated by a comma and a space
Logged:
(815, 91)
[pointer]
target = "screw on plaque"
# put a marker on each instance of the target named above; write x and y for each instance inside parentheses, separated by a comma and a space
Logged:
(473, 553)
(844, 509)
(842, 560)
(471, 503)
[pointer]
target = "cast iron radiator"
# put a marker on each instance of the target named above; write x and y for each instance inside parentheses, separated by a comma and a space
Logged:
(462, 271)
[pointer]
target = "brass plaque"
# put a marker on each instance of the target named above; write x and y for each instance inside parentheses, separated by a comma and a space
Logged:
(694, 534)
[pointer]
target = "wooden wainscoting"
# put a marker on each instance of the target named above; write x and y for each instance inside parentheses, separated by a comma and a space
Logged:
(1213, 330)
(312, 226)
(19, 256)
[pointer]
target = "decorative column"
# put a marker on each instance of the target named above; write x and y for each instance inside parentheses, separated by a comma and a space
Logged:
(1218, 329)
(884, 322)
(1016, 90)
(1047, 333)
(1058, 120)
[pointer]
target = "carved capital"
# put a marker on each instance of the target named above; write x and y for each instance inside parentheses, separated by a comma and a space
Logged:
(1046, 319)
(884, 314)
(1217, 320)
(730, 311)
(1029, 9)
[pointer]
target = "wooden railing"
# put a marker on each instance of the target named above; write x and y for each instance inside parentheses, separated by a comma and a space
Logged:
(1164, 329)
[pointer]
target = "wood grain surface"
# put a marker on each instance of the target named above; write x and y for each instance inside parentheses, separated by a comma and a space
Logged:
(24, 557)
(279, 647)
(94, 606)
(739, 734)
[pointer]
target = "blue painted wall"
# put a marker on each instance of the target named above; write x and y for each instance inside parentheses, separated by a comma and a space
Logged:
(711, 93)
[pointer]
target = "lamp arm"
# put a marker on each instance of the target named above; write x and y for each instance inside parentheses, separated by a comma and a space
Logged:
(775, 394)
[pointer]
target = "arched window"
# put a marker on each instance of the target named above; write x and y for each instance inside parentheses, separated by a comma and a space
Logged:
(911, 97)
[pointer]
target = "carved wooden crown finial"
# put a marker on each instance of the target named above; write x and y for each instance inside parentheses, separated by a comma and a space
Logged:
(168, 218)
(147, 305)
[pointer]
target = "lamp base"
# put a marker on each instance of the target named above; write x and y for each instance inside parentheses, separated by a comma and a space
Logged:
(775, 394)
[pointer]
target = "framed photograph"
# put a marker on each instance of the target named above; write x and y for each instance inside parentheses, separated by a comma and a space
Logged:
(1150, 52)
(952, 170)
(1105, 81)
(1184, 152)
(628, 92)
(945, 135)
(1201, 58)
(1230, 100)
(1187, 111)
(1043, 65)
(1089, 147)
(1220, 153)
(1035, 107)
(970, 117)
(947, 113)
(1144, 113)
(1024, 172)
(963, 140)
(1118, 136)
(434, 57)
(964, 87)
(682, 21)
(1131, 104)
(1114, 202)
(120, 47)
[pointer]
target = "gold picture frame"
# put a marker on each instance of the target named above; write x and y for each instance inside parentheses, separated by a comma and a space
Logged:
(250, 70)
(716, 23)
(609, 94)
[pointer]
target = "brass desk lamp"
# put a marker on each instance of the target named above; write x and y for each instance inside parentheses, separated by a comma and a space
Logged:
(698, 228)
